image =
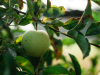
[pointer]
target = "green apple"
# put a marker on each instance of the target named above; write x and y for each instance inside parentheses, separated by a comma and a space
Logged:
(35, 43)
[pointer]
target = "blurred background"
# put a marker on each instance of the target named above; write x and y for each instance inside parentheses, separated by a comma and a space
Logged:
(74, 8)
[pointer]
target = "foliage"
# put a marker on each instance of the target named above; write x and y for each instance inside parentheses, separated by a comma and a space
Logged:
(13, 58)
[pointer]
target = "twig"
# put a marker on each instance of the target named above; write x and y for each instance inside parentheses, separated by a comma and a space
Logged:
(11, 21)
(19, 11)
(95, 45)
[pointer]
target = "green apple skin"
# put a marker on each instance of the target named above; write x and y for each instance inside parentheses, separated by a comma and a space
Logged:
(35, 43)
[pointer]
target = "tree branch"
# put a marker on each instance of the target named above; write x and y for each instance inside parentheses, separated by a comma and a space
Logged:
(19, 11)
(95, 45)
(11, 21)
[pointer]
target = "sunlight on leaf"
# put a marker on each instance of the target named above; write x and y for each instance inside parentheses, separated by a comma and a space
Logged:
(24, 64)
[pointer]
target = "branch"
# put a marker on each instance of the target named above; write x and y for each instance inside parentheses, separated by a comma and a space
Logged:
(19, 11)
(11, 21)
(95, 45)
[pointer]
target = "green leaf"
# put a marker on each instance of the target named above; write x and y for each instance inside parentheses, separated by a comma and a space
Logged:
(4, 43)
(25, 21)
(36, 6)
(8, 11)
(53, 12)
(55, 70)
(68, 41)
(95, 17)
(1, 2)
(81, 41)
(76, 64)
(96, 1)
(30, 7)
(48, 4)
(2, 23)
(24, 64)
(71, 23)
(49, 58)
(49, 31)
(18, 40)
(85, 17)
(57, 23)
(12, 52)
(94, 29)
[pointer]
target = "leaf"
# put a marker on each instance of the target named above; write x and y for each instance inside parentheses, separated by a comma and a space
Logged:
(20, 2)
(8, 11)
(1, 2)
(36, 6)
(57, 23)
(95, 17)
(53, 12)
(24, 64)
(71, 23)
(4, 43)
(12, 52)
(55, 70)
(81, 41)
(49, 31)
(68, 41)
(57, 46)
(18, 40)
(87, 15)
(94, 29)
(30, 7)
(49, 58)
(48, 4)
(76, 64)
(96, 1)
(24, 21)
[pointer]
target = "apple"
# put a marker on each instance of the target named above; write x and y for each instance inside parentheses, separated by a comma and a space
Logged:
(35, 43)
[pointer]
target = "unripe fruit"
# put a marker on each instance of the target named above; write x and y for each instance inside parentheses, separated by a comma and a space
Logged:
(35, 43)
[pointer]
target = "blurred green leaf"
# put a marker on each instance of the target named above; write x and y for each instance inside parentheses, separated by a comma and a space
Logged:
(87, 15)
(57, 23)
(48, 4)
(24, 64)
(8, 11)
(18, 40)
(49, 31)
(96, 1)
(76, 64)
(95, 17)
(71, 23)
(49, 58)
(94, 29)
(1, 2)
(24, 21)
(4, 43)
(12, 52)
(18, 49)
(55, 70)
(53, 12)
(68, 41)
(30, 7)
(36, 6)
(81, 41)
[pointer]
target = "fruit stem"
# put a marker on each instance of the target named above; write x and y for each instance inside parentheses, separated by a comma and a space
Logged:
(36, 26)
(38, 65)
